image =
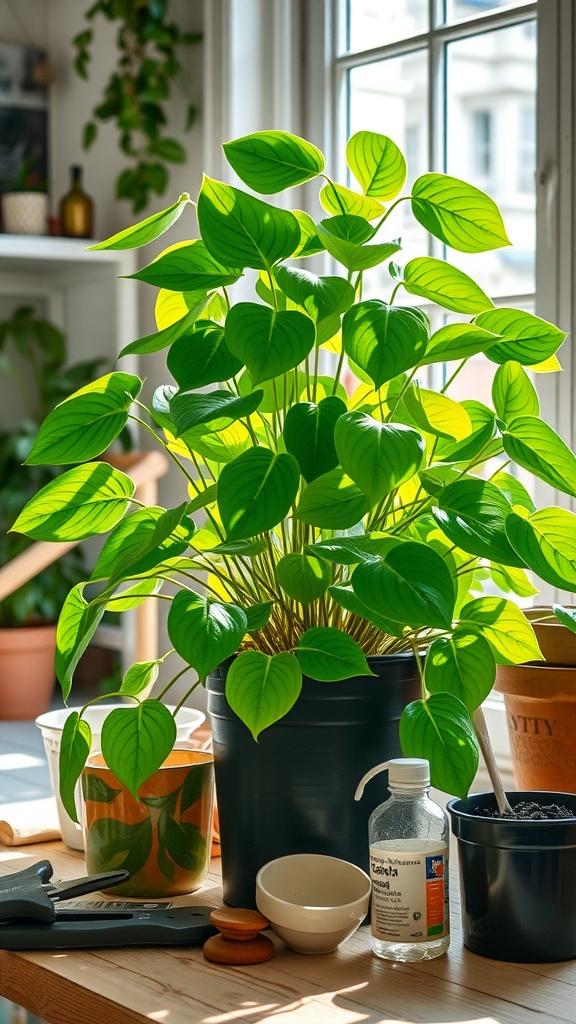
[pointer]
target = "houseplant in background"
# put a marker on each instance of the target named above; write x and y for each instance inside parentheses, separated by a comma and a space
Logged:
(25, 202)
(32, 357)
(344, 533)
(147, 66)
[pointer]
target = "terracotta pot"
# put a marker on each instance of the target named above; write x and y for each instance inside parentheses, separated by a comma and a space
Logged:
(540, 704)
(163, 838)
(557, 642)
(27, 674)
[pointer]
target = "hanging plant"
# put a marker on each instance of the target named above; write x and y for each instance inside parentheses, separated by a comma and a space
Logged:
(133, 97)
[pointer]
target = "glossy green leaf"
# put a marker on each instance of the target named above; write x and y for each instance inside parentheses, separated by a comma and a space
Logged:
(473, 513)
(328, 654)
(411, 584)
(218, 408)
(86, 424)
(127, 598)
(513, 393)
(254, 546)
(531, 443)
(437, 414)
(514, 490)
(463, 665)
(75, 743)
(303, 577)
(442, 283)
(480, 445)
(377, 456)
(167, 336)
(142, 540)
(261, 688)
(321, 297)
(309, 244)
(204, 632)
(202, 500)
(337, 199)
(77, 623)
(268, 343)
(146, 230)
(441, 730)
(136, 741)
(525, 338)
(255, 492)
(384, 340)
(309, 435)
(332, 502)
(567, 616)
(202, 357)
(546, 541)
(345, 238)
(346, 598)
(271, 161)
(279, 393)
(457, 341)
(377, 164)
(258, 615)
(352, 550)
(458, 213)
(84, 501)
(221, 446)
(509, 579)
(139, 676)
(187, 268)
(504, 626)
(241, 230)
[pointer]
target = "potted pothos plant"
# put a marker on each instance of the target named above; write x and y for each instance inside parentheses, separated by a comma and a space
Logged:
(330, 538)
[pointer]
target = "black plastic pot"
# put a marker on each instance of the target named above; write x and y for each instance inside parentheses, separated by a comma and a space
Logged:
(517, 880)
(293, 790)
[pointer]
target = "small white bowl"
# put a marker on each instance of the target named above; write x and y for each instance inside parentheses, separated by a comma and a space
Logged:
(313, 902)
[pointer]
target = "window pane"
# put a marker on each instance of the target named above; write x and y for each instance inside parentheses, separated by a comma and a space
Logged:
(390, 96)
(457, 9)
(491, 142)
(375, 23)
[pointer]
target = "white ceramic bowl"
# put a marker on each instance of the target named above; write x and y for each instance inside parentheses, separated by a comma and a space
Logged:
(312, 901)
(51, 725)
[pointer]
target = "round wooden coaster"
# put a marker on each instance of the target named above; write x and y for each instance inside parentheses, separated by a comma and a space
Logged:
(239, 924)
(225, 951)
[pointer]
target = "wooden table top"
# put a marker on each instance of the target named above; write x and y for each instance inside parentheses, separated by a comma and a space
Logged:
(350, 986)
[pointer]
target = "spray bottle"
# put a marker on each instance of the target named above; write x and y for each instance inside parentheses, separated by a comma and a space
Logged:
(408, 836)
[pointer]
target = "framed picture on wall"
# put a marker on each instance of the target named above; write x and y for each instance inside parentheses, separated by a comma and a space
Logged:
(23, 120)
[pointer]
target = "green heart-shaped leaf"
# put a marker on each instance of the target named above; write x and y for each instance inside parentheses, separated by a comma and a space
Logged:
(321, 297)
(242, 230)
(480, 445)
(271, 161)
(384, 340)
(412, 585)
(204, 632)
(261, 688)
(473, 513)
(377, 163)
(546, 541)
(267, 342)
(442, 283)
(83, 501)
(506, 629)
(332, 501)
(258, 615)
(345, 237)
(346, 598)
(218, 408)
(525, 338)
(457, 341)
(513, 393)
(462, 665)
(136, 741)
(146, 230)
(142, 540)
(533, 444)
(303, 577)
(309, 435)
(437, 414)
(337, 199)
(77, 623)
(187, 268)
(458, 214)
(202, 357)
(441, 730)
(255, 492)
(351, 550)
(75, 744)
(86, 424)
(167, 336)
(139, 676)
(328, 654)
(377, 456)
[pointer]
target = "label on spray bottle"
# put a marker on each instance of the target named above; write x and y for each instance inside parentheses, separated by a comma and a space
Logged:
(409, 890)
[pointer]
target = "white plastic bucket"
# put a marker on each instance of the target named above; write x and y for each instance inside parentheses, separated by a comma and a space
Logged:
(51, 725)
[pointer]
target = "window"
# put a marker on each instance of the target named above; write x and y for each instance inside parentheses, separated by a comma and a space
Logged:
(482, 143)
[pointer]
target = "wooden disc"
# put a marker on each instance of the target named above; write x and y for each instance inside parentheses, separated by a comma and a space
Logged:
(239, 924)
(224, 951)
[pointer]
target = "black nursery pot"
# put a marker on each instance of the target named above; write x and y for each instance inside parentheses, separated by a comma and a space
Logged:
(293, 790)
(517, 880)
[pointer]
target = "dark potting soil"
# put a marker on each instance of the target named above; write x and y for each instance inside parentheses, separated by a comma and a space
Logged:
(527, 810)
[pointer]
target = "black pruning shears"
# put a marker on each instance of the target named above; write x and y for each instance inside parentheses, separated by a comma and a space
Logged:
(31, 918)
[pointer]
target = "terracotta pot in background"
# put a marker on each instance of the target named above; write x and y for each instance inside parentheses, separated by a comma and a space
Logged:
(27, 675)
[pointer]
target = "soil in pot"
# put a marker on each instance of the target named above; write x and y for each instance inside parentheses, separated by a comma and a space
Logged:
(517, 879)
(293, 790)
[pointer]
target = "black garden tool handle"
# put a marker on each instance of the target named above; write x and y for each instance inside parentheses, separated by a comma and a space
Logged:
(74, 929)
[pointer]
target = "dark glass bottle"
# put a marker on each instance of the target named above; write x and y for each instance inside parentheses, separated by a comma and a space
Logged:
(76, 208)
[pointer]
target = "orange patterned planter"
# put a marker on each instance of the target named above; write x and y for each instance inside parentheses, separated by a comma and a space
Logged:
(163, 838)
